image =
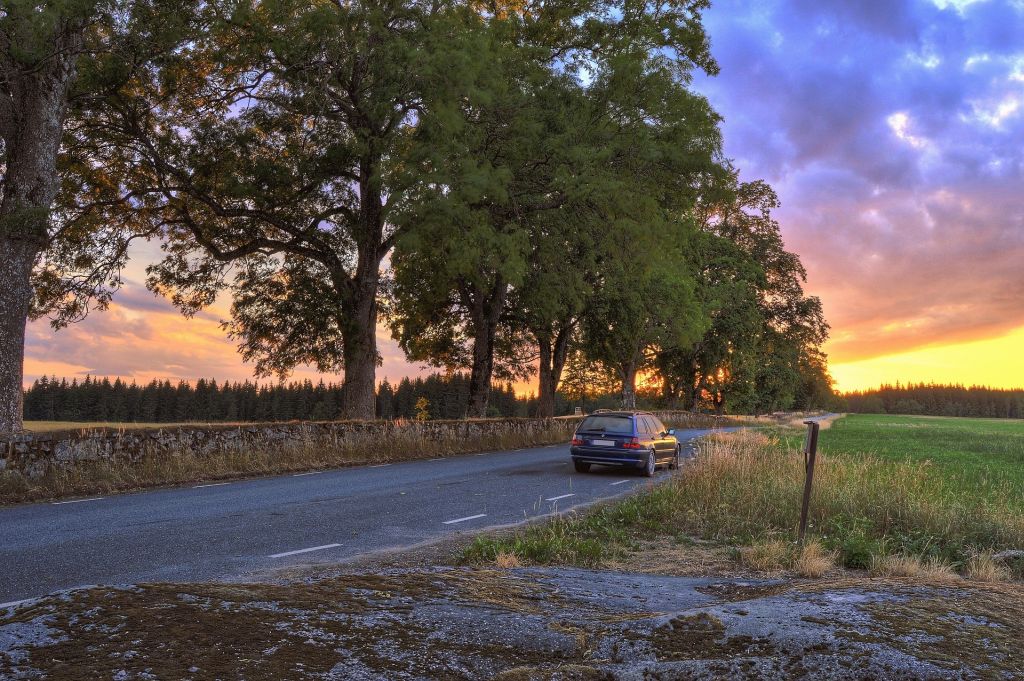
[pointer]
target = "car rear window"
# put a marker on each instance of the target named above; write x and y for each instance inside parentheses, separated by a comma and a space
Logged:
(609, 424)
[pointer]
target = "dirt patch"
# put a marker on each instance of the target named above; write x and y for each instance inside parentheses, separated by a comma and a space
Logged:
(573, 672)
(824, 422)
(703, 636)
(682, 557)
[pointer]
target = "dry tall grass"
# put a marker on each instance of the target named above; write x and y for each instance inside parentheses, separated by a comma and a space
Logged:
(983, 567)
(154, 469)
(814, 560)
(747, 484)
(507, 561)
(766, 556)
(913, 567)
(745, 489)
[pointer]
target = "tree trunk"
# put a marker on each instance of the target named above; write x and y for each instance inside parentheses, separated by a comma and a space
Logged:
(15, 295)
(628, 373)
(546, 389)
(480, 375)
(32, 112)
(552, 361)
(485, 312)
(696, 391)
(358, 394)
(719, 400)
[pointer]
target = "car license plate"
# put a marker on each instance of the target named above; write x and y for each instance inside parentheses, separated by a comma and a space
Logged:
(603, 443)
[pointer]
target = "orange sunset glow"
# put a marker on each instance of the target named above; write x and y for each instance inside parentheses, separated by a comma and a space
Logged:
(142, 337)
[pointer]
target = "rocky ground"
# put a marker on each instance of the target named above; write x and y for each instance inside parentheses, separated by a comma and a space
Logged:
(523, 623)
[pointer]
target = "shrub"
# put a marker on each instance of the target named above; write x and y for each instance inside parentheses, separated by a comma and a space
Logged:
(814, 560)
(766, 556)
(983, 567)
(913, 567)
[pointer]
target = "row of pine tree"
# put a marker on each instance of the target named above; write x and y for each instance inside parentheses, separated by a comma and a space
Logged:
(937, 400)
(103, 400)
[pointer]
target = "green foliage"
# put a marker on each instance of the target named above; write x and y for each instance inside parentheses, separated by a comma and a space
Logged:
(760, 351)
(559, 196)
(57, 59)
(540, 179)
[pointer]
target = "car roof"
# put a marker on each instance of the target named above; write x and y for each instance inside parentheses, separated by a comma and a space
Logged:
(609, 412)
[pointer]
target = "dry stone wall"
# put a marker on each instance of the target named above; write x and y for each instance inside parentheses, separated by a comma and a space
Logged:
(32, 454)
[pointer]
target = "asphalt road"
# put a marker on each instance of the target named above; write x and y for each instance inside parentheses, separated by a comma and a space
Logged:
(231, 529)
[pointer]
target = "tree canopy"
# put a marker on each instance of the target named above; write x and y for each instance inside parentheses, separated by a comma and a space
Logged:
(512, 188)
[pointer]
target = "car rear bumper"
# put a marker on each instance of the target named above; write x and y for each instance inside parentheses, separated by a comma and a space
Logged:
(603, 457)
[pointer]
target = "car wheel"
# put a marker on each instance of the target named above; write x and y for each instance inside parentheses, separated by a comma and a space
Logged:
(581, 466)
(651, 465)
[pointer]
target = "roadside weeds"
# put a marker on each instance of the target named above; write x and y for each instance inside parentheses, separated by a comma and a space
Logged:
(890, 518)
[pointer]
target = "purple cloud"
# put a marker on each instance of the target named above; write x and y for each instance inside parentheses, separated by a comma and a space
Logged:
(894, 133)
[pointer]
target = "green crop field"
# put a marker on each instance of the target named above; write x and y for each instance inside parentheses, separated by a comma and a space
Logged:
(980, 454)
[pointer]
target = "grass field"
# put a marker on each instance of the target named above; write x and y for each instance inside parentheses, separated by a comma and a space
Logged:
(887, 497)
(977, 456)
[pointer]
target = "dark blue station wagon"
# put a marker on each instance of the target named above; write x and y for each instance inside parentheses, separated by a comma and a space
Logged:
(635, 439)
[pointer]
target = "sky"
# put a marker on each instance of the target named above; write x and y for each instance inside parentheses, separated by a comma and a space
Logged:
(894, 135)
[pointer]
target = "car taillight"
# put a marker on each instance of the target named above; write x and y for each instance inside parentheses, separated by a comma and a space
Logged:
(632, 443)
(576, 442)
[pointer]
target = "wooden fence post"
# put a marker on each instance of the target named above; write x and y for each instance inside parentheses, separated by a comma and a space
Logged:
(810, 454)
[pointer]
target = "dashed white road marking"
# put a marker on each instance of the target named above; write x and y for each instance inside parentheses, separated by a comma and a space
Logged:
(11, 604)
(462, 520)
(380, 465)
(76, 501)
(309, 550)
(563, 496)
(620, 482)
(211, 484)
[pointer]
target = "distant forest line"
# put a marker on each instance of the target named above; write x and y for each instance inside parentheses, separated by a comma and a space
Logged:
(937, 400)
(447, 396)
(119, 401)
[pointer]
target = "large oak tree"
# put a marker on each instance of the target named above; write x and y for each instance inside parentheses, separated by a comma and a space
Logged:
(586, 142)
(61, 249)
(284, 145)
